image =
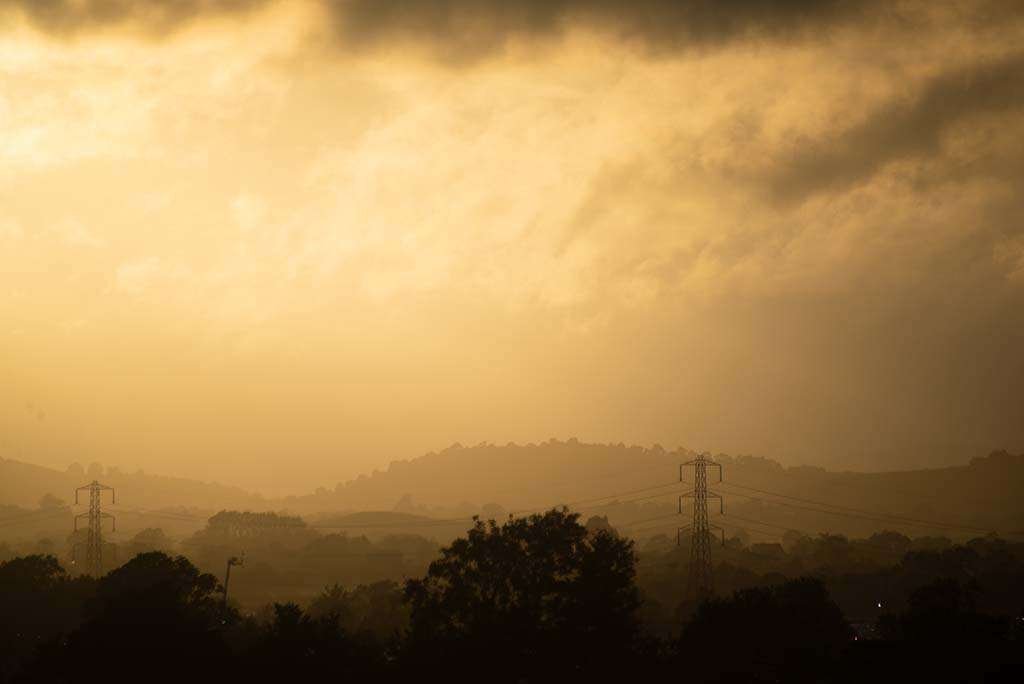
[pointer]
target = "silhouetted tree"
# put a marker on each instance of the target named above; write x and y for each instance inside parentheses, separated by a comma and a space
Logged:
(538, 595)
(161, 614)
(941, 636)
(782, 633)
(149, 539)
(945, 611)
(38, 601)
(376, 610)
(296, 646)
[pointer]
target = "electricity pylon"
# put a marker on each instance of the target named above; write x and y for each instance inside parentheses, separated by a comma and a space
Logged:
(94, 542)
(701, 583)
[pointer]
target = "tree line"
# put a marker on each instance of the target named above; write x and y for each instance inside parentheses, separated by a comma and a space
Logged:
(533, 599)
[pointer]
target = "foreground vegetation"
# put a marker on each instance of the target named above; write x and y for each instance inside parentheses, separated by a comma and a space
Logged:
(534, 599)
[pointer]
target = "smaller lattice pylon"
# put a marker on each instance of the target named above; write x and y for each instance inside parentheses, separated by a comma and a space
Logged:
(95, 517)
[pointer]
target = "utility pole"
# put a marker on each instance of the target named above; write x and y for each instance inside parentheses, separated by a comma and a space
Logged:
(94, 542)
(701, 583)
(234, 560)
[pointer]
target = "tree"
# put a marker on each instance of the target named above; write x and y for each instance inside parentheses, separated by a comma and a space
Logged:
(149, 539)
(944, 610)
(154, 581)
(376, 610)
(38, 601)
(782, 633)
(943, 636)
(537, 594)
(163, 615)
(295, 645)
(49, 502)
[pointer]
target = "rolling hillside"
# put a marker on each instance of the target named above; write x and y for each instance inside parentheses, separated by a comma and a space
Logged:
(636, 488)
(624, 483)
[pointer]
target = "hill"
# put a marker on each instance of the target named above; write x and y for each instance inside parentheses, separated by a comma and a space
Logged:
(636, 488)
(36, 501)
(23, 484)
(631, 484)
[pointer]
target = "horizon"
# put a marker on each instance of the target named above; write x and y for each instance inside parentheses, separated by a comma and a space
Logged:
(272, 495)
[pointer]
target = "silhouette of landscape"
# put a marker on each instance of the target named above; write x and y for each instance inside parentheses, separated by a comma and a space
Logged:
(511, 341)
(829, 589)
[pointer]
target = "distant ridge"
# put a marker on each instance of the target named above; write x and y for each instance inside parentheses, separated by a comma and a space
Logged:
(629, 484)
(983, 494)
(24, 484)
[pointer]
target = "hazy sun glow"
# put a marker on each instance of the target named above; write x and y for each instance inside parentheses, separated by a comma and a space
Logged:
(258, 249)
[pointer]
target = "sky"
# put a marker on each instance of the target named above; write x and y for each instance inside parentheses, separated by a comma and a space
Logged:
(282, 243)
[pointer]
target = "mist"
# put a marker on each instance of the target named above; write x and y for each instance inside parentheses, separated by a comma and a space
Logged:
(244, 241)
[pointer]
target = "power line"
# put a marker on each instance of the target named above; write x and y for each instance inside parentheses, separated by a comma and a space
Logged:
(34, 516)
(859, 510)
(632, 491)
(435, 522)
(345, 554)
(647, 520)
(848, 513)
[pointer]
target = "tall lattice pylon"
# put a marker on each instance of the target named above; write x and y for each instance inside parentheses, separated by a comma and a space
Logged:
(701, 583)
(94, 542)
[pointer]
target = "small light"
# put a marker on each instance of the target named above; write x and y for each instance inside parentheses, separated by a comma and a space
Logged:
(879, 604)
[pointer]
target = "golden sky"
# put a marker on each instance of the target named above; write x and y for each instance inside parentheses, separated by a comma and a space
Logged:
(279, 244)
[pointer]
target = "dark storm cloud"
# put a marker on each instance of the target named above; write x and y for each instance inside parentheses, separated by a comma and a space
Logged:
(158, 17)
(472, 28)
(904, 129)
(466, 30)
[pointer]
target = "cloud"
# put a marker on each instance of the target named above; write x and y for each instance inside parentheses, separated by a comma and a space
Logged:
(470, 28)
(248, 211)
(905, 128)
(140, 276)
(156, 17)
(136, 276)
(10, 230)
(464, 31)
(467, 29)
(813, 225)
(74, 233)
